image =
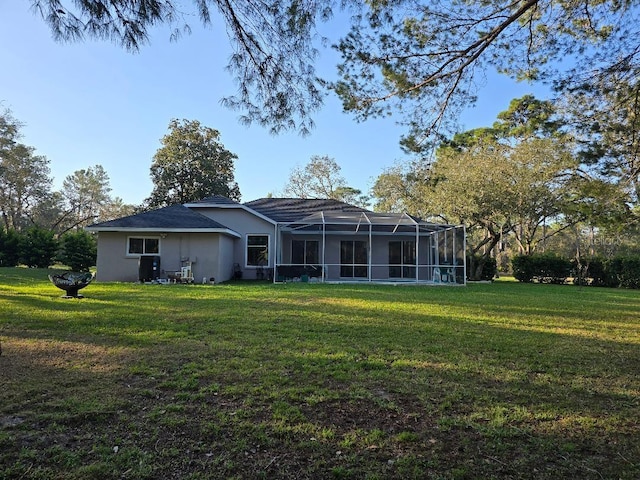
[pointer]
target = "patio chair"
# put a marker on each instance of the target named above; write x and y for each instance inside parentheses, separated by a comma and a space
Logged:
(186, 275)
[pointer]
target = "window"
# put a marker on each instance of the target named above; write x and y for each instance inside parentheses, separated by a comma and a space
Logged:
(402, 259)
(305, 252)
(257, 250)
(353, 258)
(143, 246)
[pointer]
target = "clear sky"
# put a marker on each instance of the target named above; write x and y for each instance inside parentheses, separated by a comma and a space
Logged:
(92, 103)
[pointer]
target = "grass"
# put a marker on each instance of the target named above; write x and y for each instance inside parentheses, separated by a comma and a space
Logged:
(254, 380)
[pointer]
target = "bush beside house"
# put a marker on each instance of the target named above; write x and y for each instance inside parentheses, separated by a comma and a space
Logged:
(39, 248)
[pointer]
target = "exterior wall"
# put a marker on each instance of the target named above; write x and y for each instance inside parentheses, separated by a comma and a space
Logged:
(245, 224)
(113, 264)
(226, 258)
(176, 249)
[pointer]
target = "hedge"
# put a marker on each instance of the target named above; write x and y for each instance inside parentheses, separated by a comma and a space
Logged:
(620, 271)
(544, 268)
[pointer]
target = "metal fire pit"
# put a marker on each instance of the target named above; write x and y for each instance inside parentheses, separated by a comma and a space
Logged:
(71, 282)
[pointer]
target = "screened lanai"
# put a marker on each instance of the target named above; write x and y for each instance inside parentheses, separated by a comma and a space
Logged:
(363, 246)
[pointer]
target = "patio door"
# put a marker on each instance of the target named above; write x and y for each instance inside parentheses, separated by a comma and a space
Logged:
(305, 252)
(402, 259)
(353, 259)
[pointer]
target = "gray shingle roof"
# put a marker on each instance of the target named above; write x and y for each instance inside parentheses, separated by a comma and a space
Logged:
(294, 209)
(174, 217)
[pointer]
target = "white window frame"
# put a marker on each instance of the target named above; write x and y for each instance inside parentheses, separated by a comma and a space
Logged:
(144, 238)
(246, 250)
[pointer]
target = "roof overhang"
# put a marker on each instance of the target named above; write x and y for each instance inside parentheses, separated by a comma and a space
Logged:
(225, 231)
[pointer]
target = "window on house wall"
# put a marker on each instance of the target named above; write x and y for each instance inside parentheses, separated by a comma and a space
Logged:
(353, 258)
(305, 252)
(257, 250)
(143, 246)
(402, 259)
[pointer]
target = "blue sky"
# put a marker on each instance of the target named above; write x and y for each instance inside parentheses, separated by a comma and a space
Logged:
(93, 103)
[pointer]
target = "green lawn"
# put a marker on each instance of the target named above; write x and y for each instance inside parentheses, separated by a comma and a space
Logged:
(295, 381)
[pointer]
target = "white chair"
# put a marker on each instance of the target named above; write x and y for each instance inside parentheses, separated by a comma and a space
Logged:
(437, 278)
(186, 275)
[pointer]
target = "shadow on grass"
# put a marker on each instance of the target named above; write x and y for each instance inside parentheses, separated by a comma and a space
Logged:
(316, 382)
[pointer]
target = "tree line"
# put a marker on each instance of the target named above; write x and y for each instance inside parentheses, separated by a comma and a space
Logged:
(27, 198)
(534, 182)
(41, 225)
(538, 180)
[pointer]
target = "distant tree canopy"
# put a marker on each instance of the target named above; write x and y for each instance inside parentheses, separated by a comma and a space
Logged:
(419, 59)
(509, 180)
(321, 178)
(26, 196)
(25, 179)
(191, 164)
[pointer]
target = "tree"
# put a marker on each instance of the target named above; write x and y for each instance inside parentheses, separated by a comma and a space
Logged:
(191, 164)
(509, 179)
(606, 117)
(116, 208)
(38, 247)
(86, 194)
(24, 177)
(495, 189)
(321, 178)
(78, 251)
(9, 248)
(317, 179)
(273, 45)
(423, 58)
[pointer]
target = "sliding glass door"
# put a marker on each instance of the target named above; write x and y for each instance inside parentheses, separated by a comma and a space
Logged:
(354, 259)
(402, 259)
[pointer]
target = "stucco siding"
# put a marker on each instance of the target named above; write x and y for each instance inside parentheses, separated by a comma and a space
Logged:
(245, 224)
(176, 249)
(225, 258)
(113, 264)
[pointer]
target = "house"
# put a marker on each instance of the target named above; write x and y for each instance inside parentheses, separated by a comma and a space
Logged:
(280, 239)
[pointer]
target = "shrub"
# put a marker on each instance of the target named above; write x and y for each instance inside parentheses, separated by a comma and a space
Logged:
(592, 271)
(625, 271)
(523, 268)
(38, 247)
(545, 268)
(480, 267)
(552, 268)
(9, 248)
(78, 251)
